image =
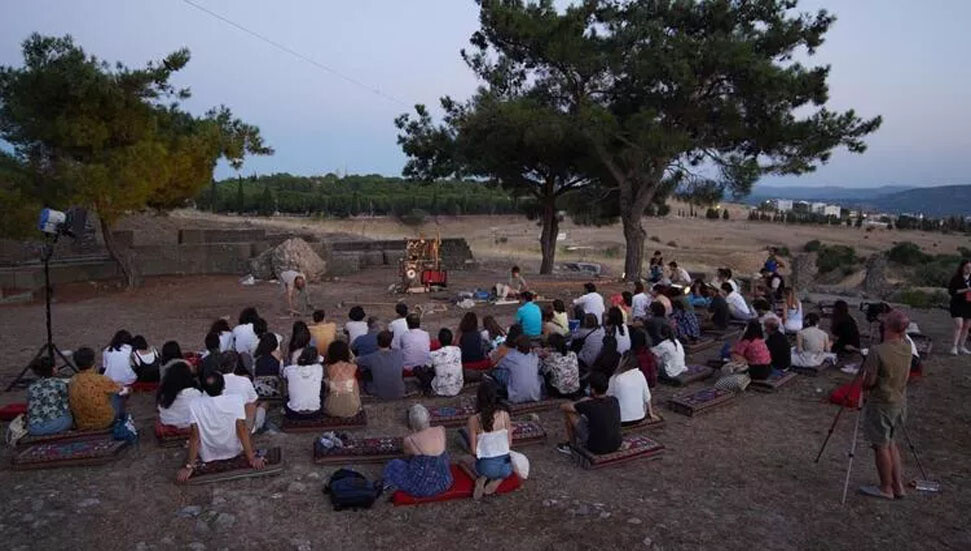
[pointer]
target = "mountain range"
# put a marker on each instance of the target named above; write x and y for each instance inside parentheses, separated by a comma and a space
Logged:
(930, 201)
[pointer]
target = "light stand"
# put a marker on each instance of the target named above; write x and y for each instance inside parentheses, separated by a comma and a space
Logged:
(49, 349)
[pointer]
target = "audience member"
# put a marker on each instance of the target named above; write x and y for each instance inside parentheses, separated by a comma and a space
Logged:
(616, 328)
(846, 334)
(322, 332)
(415, 344)
(588, 341)
(778, 345)
(357, 327)
(426, 471)
(48, 405)
(244, 334)
(116, 359)
(686, 325)
(518, 373)
(630, 388)
(792, 312)
(176, 393)
(593, 423)
(473, 347)
(242, 387)
(94, 398)
(560, 368)
(639, 302)
(368, 343)
(590, 303)
(304, 380)
(812, 344)
(490, 439)
(399, 326)
(299, 340)
(382, 370)
(669, 353)
(752, 351)
(529, 316)
(226, 339)
(343, 393)
(447, 365)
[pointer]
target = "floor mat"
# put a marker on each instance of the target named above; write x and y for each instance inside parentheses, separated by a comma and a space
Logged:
(237, 467)
(633, 447)
(451, 416)
(645, 423)
(325, 423)
(93, 450)
(704, 343)
(10, 412)
(809, 371)
(67, 436)
(168, 436)
(693, 374)
(533, 407)
(700, 401)
(774, 382)
(360, 450)
(462, 487)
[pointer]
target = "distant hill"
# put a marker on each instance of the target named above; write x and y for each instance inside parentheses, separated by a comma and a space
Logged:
(931, 201)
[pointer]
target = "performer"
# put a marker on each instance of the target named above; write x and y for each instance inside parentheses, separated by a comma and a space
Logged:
(295, 282)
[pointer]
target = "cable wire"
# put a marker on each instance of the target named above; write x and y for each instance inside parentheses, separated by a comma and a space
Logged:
(296, 54)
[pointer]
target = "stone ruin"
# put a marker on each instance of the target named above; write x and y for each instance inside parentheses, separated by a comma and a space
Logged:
(292, 254)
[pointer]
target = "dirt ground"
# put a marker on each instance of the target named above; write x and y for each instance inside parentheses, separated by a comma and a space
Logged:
(740, 477)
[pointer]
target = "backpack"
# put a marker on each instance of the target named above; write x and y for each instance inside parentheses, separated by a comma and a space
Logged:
(349, 489)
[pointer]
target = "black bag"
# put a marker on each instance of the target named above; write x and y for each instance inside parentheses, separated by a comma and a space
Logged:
(350, 489)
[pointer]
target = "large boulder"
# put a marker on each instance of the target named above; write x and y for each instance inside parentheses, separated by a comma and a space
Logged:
(875, 283)
(804, 271)
(292, 254)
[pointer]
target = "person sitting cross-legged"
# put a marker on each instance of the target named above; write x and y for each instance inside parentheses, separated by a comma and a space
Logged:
(812, 344)
(322, 332)
(304, 382)
(737, 307)
(176, 393)
(426, 470)
(751, 350)
(382, 370)
(48, 407)
(218, 428)
(96, 401)
(243, 387)
(778, 345)
(518, 373)
(629, 386)
(529, 316)
(368, 343)
(447, 366)
(415, 344)
(560, 368)
(343, 392)
(669, 353)
(685, 321)
(593, 423)
(490, 439)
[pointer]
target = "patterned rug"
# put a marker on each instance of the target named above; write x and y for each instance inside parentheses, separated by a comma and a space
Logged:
(809, 371)
(325, 423)
(533, 407)
(693, 374)
(524, 433)
(451, 416)
(93, 450)
(360, 450)
(776, 380)
(633, 447)
(646, 423)
(237, 467)
(168, 436)
(67, 436)
(462, 488)
(700, 401)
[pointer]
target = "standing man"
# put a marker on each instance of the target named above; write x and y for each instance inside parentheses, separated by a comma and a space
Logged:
(885, 372)
(529, 316)
(295, 282)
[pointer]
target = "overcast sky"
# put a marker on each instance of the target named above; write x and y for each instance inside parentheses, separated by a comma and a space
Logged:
(905, 60)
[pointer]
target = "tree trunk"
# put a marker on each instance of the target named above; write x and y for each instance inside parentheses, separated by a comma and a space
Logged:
(119, 254)
(547, 240)
(634, 236)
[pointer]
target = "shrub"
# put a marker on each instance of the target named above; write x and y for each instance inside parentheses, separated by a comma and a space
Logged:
(612, 251)
(836, 257)
(655, 239)
(672, 244)
(725, 214)
(936, 271)
(712, 214)
(965, 252)
(415, 217)
(917, 298)
(812, 246)
(907, 254)
(782, 251)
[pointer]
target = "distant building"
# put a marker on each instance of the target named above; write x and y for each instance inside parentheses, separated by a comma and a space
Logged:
(782, 205)
(817, 208)
(832, 210)
(800, 206)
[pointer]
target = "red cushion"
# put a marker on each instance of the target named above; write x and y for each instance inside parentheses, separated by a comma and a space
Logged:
(140, 386)
(462, 487)
(10, 412)
(847, 395)
(480, 365)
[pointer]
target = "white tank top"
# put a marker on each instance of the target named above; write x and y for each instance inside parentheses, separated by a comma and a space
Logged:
(492, 444)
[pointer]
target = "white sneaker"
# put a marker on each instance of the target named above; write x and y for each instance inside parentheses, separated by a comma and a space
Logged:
(964, 350)
(954, 351)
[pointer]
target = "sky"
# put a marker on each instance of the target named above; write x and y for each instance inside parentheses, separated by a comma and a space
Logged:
(904, 60)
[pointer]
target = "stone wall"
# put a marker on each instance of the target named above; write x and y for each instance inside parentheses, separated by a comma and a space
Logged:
(223, 252)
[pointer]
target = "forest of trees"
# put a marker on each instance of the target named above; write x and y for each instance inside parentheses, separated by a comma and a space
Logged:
(355, 195)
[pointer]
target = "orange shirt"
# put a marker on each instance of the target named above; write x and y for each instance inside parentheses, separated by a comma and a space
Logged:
(90, 396)
(323, 334)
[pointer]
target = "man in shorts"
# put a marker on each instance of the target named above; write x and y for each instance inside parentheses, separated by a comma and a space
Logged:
(885, 373)
(593, 423)
(295, 282)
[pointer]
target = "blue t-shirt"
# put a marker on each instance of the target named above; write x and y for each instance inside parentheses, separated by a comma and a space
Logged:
(531, 319)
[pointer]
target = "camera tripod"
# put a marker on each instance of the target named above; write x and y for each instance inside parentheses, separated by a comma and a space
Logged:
(49, 349)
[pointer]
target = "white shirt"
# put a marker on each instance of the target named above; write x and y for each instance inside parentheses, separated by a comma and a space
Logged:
(303, 385)
(415, 348)
(670, 356)
(215, 417)
(398, 328)
(179, 413)
(244, 338)
(226, 341)
(639, 305)
(354, 330)
(680, 275)
(492, 444)
(623, 341)
(240, 386)
(117, 364)
(592, 303)
(447, 362)
(737, 306)
(631, 390)
(287, 277)
(794, 318)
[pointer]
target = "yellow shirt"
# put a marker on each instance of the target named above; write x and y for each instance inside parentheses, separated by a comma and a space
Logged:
(323, 334)
(90, 396)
